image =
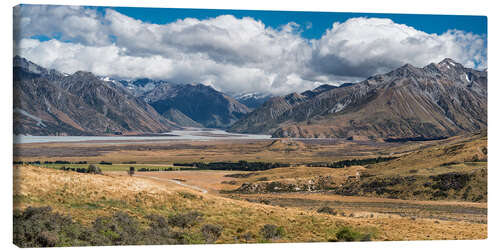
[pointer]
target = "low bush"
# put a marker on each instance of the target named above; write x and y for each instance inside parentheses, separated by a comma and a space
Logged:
(327, 210)
(349, 234)
(187, 195)
(246, 175)
(120, 229)
(184, 220)
(270, 231)
(41, 227)
(93, 169)
(211, 232)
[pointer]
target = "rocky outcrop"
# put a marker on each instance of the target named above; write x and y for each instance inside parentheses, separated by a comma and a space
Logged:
(319, 183)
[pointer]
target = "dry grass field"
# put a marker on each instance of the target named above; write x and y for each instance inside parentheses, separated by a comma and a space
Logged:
(87, 196)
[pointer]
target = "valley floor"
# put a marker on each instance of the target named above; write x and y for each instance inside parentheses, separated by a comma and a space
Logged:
(350, 206)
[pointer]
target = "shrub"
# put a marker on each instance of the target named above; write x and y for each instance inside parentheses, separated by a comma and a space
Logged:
(159, 232)
(120, 229)
(184, 220)
(270, 231)
(40, 227)
(348, 234)
(187, 195)
(211, 232)
(247, 236)
(93, 169)
(265, 201)
(240, 175)
(48, 239)
(327, 210)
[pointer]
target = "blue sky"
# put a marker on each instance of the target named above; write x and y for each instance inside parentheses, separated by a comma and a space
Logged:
(241, 51)
(320, 21)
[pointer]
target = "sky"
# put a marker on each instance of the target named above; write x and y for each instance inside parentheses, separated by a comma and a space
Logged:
(242, 51)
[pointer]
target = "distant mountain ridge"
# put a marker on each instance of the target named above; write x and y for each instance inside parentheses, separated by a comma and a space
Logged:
(437, 100)
(138, 87)
(189, 105)
(266, 118)
(201, 103)
(47, 102)
(252, 100)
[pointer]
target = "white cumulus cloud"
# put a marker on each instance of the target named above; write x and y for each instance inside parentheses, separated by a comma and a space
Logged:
(366, 46)
(231, 54)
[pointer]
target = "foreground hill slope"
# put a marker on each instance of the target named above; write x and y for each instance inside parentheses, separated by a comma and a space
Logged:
(93, 196)
(443, 99)
(47, 102)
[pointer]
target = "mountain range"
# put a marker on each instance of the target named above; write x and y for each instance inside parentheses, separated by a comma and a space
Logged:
(189, 105)
(47, 102)
(438, 100)
(201, 103)
(252, 100)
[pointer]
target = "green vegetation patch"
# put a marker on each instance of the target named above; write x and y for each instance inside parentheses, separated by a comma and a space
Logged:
(41, 227)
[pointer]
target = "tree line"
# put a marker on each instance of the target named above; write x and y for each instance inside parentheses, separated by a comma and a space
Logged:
(352, 162)
(239, 166)
(48, 162)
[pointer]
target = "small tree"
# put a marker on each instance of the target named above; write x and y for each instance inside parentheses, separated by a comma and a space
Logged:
(131, 171)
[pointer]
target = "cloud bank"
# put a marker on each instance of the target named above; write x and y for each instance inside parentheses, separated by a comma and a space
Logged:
(232, 54)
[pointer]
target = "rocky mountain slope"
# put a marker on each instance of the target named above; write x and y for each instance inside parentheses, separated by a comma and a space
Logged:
(180, 118)
(267, 117)
(138, 87)
(199, 102)
(252, 100)
(47, 102)
(438, 100)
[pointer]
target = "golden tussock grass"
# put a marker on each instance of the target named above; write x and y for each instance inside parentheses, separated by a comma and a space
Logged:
(86, 196)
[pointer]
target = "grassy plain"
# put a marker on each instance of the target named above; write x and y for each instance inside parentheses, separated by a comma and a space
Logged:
(167, 152)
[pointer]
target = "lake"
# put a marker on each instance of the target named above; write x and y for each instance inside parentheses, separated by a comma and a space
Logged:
(189, 135)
